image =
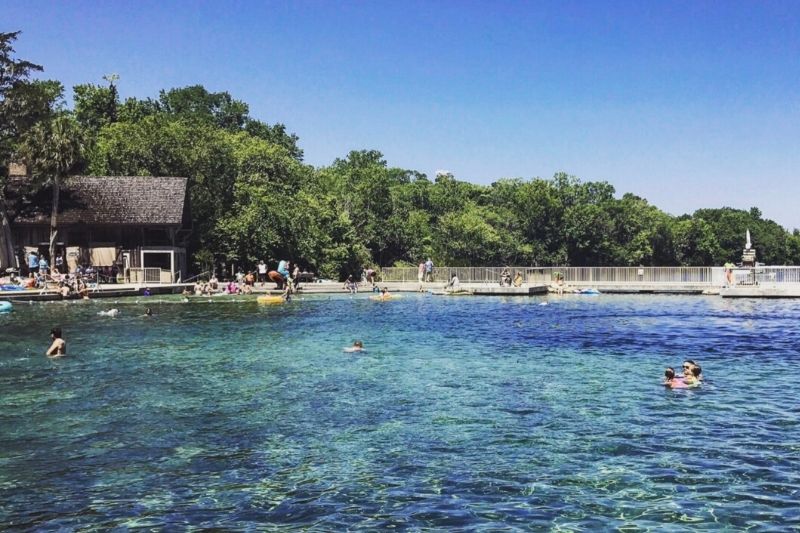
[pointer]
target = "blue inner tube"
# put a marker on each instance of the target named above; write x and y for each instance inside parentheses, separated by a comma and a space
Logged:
(5, 307)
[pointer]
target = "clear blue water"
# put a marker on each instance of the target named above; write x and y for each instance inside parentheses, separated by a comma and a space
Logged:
(468, 413)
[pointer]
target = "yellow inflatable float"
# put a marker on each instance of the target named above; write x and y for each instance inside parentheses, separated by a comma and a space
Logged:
(270, 299)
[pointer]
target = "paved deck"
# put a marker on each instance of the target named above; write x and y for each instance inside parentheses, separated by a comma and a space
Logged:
(786, 290)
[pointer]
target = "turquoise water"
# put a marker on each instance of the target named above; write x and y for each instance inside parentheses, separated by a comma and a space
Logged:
(467, 413)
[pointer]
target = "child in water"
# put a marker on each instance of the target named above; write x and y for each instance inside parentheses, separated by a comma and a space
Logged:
(671, 381)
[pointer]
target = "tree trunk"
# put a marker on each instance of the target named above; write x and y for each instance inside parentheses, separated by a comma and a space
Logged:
(7, 258)
(54, 220)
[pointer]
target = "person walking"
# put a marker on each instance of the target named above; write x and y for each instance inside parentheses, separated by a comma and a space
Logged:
(429, 270)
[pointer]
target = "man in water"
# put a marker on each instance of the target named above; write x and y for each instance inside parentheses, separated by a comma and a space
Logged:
(357, 346)
(59, 346)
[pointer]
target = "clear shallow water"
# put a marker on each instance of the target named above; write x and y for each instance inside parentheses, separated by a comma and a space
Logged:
(472, 413)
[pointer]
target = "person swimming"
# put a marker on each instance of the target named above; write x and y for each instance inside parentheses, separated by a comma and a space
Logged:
(59, 346)
(671, 381)
(111, 312)
(357, 346)
(148, 312)
(689, 365)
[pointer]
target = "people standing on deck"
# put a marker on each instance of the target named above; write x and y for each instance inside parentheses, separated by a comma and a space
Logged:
(421, 274)
(296, 277)
(369, 276)
(58, 348)
(262, 272)
(33, 262)
(44, 267)
(283, 269)
(429, 270)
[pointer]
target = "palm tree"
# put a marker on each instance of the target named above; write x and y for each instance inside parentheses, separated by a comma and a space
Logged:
(51, 150)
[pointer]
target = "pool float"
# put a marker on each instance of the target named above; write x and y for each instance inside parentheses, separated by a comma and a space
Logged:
(588, 291)
(383, 298)
(270, 299)
(6, 307)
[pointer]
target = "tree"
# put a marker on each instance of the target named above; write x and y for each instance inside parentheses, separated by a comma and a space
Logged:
(13, 74)
(96, 106)
(51, 150)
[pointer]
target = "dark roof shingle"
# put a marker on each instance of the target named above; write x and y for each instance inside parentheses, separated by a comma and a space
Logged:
(111, 200)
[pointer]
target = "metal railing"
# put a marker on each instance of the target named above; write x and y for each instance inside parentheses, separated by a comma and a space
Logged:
(767, 275)
(570, 275)
(148, 275)
(710, 276)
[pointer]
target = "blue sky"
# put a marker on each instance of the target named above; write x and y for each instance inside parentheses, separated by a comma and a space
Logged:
(688, 104)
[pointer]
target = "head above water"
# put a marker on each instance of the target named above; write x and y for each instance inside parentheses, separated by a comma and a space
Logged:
(55, 332)
(669, 373)
(358, 344)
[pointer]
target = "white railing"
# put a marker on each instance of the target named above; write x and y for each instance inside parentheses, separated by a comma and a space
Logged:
(570, 275)
(711, 276)
(767, 275)
(148, 275)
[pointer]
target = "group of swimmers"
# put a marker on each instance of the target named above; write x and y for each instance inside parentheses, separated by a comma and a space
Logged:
(692, 376)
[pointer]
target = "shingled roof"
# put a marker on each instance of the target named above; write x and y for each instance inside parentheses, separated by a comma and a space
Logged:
(139, 200)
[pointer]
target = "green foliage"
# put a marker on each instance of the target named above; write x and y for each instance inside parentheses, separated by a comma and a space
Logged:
(95, 106)
(252, 198)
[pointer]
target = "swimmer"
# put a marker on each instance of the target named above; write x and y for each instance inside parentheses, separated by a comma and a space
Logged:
(692, 377)
(688, 365)
(671, 381)
(59, 346)
(357, 346)
(385, 294)
(111, 312)
(148, 312)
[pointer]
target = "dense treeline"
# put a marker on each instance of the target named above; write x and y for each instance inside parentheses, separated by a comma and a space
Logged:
(252, 197)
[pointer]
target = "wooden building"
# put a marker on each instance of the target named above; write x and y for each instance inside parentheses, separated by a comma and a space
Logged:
(136, 223)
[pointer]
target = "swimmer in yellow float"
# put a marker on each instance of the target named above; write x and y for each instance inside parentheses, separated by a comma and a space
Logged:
(384, 295)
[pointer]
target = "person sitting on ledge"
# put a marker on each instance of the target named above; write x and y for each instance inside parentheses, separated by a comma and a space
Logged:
(350, 285)
(453, 284)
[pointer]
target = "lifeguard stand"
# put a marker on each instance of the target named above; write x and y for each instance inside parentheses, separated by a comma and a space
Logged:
(749, 259)
(748, 254)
